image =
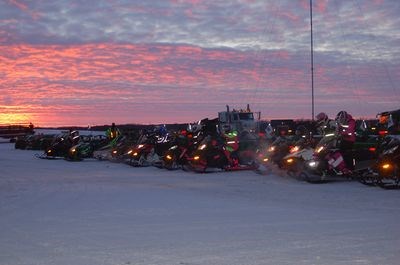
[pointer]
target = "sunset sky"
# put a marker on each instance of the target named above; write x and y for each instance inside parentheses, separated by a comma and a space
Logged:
(68, 62)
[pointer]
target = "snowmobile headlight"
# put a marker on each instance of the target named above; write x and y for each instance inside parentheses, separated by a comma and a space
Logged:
(289, 160)
(135, 154)
(114, 152)
(140, 146)
(391, 150)
(202, 146)
(313, 164)
(49, 151)
(386, 166)
(265, 159)
(319, 149)
(196, 157)
(130, 151)
(294, 149)
(169, 157)
(174, 147)
(73, 150)
(271, 149)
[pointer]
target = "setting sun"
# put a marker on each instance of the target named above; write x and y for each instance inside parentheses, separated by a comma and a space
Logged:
(14, 118)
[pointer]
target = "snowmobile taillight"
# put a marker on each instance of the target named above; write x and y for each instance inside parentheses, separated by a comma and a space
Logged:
(196, 157)
(386, 166)
(372, 149)
(383, 132)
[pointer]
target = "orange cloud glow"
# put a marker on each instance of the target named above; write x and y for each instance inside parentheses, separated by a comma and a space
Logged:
(54, 85)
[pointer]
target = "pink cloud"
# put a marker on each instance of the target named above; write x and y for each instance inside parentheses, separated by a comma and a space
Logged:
(126, 83)
(25, 8)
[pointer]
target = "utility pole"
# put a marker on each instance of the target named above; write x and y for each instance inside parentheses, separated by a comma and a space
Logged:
(312, 64)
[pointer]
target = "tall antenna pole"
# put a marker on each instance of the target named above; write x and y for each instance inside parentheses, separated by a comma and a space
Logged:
(312, 64)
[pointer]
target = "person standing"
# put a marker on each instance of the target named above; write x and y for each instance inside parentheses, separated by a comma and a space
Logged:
(113, 132)
(346, 130)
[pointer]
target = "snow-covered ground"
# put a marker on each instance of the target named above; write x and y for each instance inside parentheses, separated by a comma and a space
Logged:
(97, 212)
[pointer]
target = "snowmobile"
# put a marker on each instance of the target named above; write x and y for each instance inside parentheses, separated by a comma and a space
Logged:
(385, 172)
(299, 153)
(60, 146)
(112, 150)
(86, 147)
(34, 141)
(328, 164)
(149, 150)
(216, 154)
(178, 154)
(271, 156)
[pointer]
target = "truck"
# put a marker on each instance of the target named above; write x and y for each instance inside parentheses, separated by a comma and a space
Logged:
(242, 120)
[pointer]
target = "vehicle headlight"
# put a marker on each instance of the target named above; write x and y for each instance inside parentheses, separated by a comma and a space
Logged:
(289, 160)
(386, 166)
(271, 149)
(319, 149)
(140, 146)
(313, 164)
(202, 146)
(294, 149)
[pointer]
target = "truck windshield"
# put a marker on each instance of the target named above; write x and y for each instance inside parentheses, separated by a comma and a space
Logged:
(246, 116)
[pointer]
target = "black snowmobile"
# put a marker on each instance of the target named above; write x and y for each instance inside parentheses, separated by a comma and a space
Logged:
(385, 171)
(86, 147)
(60, 146)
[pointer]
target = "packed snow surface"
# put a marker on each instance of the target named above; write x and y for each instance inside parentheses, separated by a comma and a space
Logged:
(99, 212)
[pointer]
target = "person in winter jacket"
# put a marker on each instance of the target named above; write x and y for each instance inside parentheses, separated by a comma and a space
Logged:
(324, 125)
(113, 132)
(346, 130)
